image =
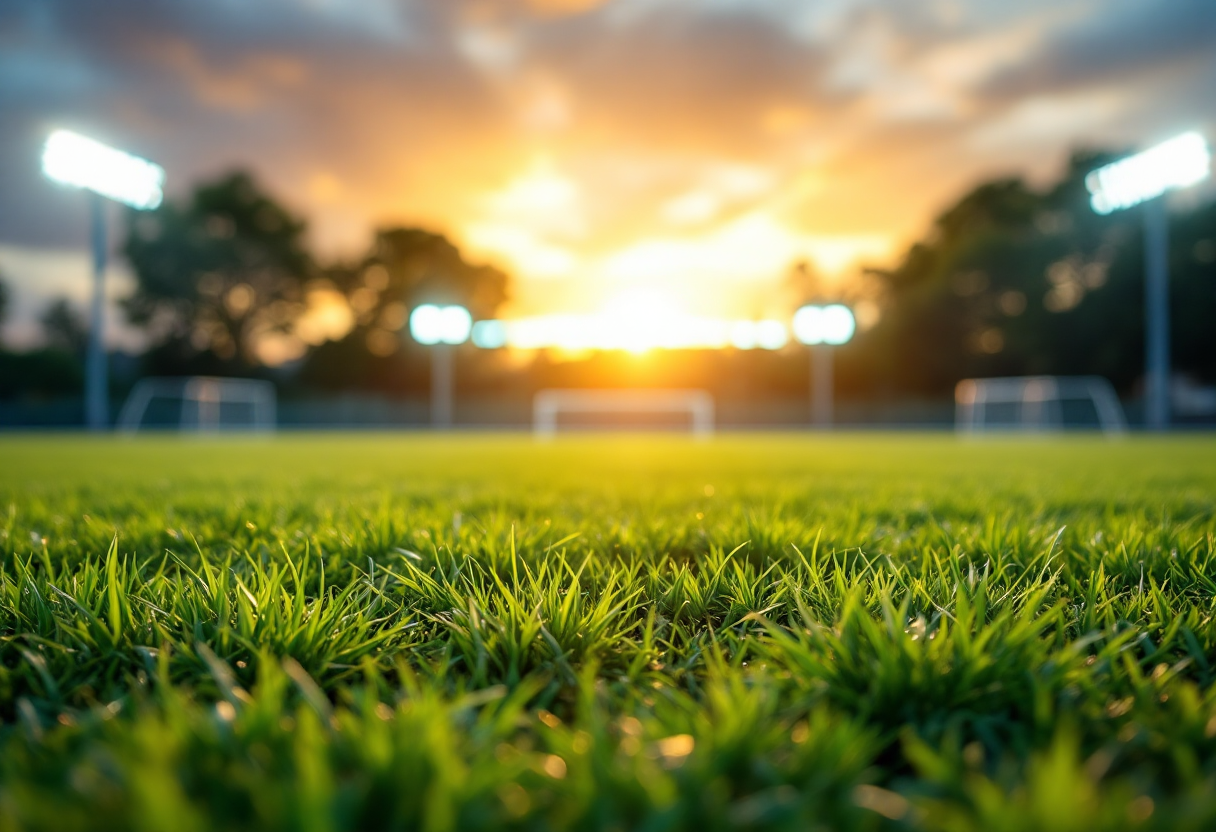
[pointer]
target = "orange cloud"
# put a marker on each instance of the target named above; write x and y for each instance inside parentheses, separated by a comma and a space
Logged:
(559, 8)
(240, 88)
(692, 148)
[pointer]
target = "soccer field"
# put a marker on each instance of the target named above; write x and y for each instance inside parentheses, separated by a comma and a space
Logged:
(335, 631)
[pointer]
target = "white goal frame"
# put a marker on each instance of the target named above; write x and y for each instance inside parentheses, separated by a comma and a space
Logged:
(1039, 400)
(548, 404)
(201, 399)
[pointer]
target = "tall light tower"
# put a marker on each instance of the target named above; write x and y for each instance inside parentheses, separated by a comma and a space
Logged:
(441, 328)
(823, 328)
(1145, 178)
(72, 159)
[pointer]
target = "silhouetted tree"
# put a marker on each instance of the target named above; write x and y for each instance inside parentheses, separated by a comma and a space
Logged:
(405, 267)
(64, 328)
(409, 266)
(1015, 281)
(216, 272)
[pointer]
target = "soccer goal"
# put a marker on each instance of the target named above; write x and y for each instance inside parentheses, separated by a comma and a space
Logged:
(200, 404)
(549, 405)
(1037, 403)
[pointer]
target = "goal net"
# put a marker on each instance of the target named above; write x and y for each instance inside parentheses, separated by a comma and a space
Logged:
(200, 404)
(1037, 403)
(622, 408)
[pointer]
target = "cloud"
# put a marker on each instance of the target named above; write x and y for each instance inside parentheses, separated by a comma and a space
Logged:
(560, 8)
(660, 124)
(1117, 41)
(40, 277)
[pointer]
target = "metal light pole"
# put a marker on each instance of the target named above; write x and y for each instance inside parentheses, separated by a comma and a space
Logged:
(443, 382)
(441, 328)
(72, 159)
(821, 386)
(1144, 179)
(1156, 315)
(96, 376)
(823, 328)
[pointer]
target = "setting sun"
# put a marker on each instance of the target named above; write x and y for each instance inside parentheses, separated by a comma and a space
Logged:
(641, 320)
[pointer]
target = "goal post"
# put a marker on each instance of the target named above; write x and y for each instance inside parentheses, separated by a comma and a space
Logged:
(1037, 403)
(201, 404)
(548, 405)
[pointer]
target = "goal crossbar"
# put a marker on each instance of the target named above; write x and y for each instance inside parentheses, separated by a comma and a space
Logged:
(548, 404)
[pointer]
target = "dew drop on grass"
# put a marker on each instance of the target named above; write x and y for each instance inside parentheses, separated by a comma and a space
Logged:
(555, 767)
(515, 799)
(1140, 809)
(581, 742)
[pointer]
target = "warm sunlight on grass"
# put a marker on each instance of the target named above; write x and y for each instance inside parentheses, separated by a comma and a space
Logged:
(614, 632)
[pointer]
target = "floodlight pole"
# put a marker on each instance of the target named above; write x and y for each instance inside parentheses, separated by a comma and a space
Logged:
(821, 386)
(1156, 315)
(443, 372)
(80, 162)
(96, 381)
(1144, 179)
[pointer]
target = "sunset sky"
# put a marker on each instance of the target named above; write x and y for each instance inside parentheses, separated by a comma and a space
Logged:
(689, 148)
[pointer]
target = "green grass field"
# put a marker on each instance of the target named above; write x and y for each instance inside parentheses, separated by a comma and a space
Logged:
(333, 632)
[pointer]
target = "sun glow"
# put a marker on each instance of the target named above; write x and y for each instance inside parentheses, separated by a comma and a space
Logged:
(643, 319)
(639, 321)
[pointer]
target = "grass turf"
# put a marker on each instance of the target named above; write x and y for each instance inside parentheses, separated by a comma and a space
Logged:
(466, 632)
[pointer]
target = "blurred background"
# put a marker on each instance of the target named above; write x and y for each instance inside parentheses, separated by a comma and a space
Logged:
(640, 193)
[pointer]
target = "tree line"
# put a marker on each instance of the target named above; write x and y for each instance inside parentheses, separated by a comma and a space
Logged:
(1014, 280)
(1010, 280)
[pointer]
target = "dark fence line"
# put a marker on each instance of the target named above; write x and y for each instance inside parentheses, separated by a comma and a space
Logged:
(515, 412)
(358, 411)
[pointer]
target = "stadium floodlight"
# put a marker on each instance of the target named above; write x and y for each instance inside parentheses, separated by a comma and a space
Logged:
(833, 325)
(80, 162)
(1143, 179)
(771, 335)
(765, 335)
(490, 335)
(1178, 163)
(823, 327)
(743, 335)
(440, 328)
(72, 159)
(431, 324)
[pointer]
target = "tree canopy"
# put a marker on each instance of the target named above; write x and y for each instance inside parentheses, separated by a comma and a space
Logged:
(404, 267)
(1014, 280)
(65, 328)
(216, 272)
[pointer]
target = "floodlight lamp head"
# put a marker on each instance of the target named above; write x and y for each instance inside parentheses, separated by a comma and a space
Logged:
(72, 159)
(833, 325)
(431, 324)
(490, 335)
(1178, 163)
(771, 335)
(743, 335)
